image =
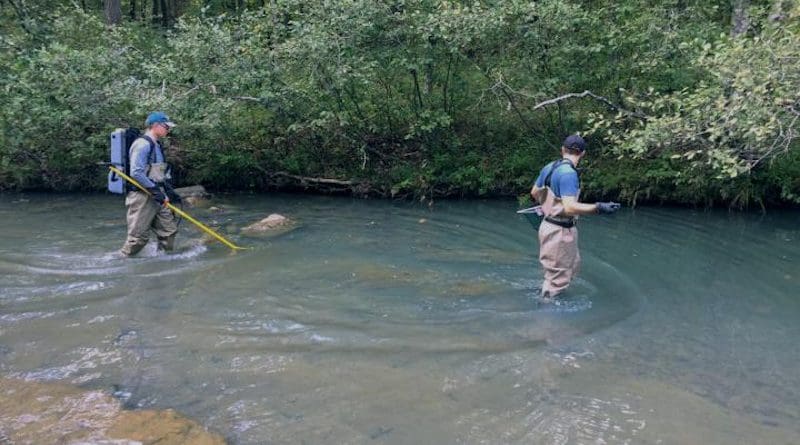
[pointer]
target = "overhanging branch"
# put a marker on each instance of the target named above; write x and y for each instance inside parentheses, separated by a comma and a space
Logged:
(594, 96)
(505, 89)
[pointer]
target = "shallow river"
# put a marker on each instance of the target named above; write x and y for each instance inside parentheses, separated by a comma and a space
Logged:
(399, 323)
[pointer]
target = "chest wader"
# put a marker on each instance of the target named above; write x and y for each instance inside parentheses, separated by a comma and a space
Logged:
(144, 213)
(158, 173)
(558, 242)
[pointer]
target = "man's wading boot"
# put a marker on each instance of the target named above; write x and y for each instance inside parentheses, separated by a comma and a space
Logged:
(166, 243)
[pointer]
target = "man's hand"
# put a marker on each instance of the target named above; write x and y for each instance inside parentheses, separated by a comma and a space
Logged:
(173, 197)
(607, 208)
(158, 195)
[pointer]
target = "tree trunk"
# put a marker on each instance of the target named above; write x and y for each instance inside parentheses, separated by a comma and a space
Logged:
(132, 10)
(740, 21)
(113, 11)
(155, 17)
(164, 14)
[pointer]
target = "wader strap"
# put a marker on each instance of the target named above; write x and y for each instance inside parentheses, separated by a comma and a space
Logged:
(557, 164)
(152, 148)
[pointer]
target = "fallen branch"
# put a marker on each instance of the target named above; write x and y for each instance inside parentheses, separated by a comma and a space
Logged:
(307, 179)
(325, 185)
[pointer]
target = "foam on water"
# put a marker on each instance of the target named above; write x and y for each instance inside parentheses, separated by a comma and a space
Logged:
(87, 359)
(151, 251)
(564, 304)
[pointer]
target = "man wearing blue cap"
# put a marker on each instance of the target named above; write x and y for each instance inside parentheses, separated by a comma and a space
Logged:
(557, 189)
(148, 211)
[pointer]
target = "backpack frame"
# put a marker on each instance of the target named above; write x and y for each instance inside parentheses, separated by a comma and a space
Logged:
(120, 145)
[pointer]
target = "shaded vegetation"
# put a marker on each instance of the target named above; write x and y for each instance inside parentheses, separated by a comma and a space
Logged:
(412, 98)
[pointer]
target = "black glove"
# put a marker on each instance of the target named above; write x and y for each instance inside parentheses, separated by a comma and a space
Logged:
(173, 197)
(157, 194)
(607, 208)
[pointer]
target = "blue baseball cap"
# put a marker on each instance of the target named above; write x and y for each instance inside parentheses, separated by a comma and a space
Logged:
(574, 142)
(158, 117)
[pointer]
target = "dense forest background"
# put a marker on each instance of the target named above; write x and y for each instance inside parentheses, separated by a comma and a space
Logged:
(682, 101)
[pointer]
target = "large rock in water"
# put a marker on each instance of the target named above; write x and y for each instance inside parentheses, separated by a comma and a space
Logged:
(195, 195)
(271, 225)
(44, 413)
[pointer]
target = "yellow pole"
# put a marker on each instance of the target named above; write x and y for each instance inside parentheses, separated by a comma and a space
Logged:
(180, 212)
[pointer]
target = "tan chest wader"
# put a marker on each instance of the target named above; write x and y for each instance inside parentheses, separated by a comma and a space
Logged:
(144, 213)
(158, 173)
(558, 241)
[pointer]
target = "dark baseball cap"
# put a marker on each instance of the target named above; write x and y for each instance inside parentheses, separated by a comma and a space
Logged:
(574, 142)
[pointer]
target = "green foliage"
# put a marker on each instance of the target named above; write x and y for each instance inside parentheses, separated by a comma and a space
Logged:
(743, 113)
(425, 97)
(59, 98)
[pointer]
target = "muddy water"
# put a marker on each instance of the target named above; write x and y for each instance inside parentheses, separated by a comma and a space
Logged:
(399, 323)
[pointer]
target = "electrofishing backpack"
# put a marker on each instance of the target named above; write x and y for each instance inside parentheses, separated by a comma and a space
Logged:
(121, 141)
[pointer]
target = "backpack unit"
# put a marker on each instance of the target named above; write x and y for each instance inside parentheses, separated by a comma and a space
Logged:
(121, 141)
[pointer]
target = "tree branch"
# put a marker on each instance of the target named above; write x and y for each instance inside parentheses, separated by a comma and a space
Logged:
(592, 95)
(505, 88)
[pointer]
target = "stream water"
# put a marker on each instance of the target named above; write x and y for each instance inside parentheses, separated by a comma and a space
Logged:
(402, 323)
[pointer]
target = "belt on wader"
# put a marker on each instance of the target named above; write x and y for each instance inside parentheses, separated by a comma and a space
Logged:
(567, 224)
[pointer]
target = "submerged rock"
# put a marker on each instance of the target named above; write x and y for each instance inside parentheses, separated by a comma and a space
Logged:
(37, 413)
(195, 195)
(474, 288)
(271, 225)
(161, 427)
(193, 190)
(195, 201)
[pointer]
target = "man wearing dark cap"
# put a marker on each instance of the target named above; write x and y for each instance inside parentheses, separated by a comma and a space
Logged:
(557, 189)
(148, 211)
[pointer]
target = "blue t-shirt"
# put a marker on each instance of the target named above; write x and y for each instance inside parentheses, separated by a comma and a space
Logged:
(564, 181)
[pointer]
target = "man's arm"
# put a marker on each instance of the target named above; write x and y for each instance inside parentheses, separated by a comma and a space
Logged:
(573, 208)
(539, 193)
(569, 185)
(139, 157)
(539, 190)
